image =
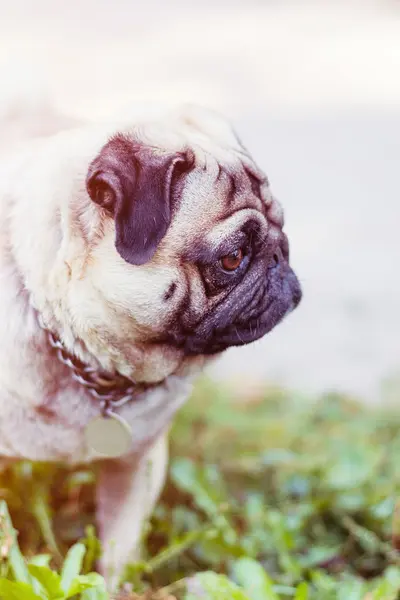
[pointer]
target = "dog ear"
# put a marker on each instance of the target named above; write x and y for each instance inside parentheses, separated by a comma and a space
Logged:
(133, 183)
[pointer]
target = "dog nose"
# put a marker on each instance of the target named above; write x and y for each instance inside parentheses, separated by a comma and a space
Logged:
(297, 294)
(284, 246)
(276, 258)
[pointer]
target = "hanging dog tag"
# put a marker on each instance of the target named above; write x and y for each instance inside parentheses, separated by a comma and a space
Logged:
(109, 436)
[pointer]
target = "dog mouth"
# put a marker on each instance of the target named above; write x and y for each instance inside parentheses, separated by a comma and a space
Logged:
(245, 331)
(248, 316)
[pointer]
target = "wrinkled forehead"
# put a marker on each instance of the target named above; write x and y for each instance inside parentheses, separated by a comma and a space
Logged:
(211, 139)
(219, 197)
(224, 188)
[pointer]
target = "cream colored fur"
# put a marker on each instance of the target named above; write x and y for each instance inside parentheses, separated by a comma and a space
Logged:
(43, 414)
(57, 257)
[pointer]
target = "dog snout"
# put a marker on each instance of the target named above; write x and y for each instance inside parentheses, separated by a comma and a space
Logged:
(279, 255)
(280, 275)
(296, 292)
(276, 259)
(284, 246)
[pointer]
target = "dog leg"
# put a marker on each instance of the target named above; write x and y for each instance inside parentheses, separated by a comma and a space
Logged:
(126, 494)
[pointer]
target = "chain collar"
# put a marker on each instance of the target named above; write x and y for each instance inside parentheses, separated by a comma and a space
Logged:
(111, 390)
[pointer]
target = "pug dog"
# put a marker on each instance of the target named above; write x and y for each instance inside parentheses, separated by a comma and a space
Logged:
(131, 254)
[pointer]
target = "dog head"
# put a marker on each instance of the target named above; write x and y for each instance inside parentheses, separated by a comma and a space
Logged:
(185, 254)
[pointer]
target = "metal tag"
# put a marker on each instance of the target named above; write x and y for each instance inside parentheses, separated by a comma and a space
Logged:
(109, 436)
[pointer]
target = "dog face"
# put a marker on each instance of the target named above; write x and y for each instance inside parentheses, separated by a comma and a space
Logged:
(185, 246)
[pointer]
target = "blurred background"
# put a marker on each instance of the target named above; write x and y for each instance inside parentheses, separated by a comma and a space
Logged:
(314, 91)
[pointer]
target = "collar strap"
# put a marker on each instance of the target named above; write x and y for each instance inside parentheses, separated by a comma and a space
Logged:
(112, 390)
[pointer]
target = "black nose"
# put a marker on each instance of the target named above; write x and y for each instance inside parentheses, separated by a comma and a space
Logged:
(297, 292)
(276, 259)
(284, 246)
(279, 251)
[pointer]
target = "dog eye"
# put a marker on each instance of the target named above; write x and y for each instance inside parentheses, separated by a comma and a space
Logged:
(232, 261)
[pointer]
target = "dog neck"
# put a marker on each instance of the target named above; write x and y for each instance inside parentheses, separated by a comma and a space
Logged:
(112, 390)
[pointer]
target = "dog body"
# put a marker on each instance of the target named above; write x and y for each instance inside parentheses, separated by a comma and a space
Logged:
(146, 247)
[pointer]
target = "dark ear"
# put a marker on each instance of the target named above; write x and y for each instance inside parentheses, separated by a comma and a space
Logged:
(133, 183)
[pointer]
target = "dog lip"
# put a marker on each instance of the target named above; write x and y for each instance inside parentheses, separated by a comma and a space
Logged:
(240, 334)
(281, 294)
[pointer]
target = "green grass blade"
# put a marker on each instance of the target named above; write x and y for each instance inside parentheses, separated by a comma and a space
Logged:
(49, 580)
(85, 582)
(40, 560)
(17, 590)
(8, 539)
(301, 592)
(72, 566)
(95, 594)
(41, 510)
(211, 586)
(254, 579)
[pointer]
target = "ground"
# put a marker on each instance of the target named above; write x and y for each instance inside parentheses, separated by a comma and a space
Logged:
(269, 498)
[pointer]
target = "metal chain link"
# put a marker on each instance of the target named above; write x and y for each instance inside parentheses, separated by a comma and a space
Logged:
(98, 383)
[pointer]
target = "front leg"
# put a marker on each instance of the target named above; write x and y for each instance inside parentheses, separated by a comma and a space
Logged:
(127, 491)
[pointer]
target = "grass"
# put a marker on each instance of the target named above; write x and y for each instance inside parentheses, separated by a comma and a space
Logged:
(269, 497)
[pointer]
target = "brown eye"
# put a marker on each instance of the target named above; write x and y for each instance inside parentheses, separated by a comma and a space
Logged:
(232, 261)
